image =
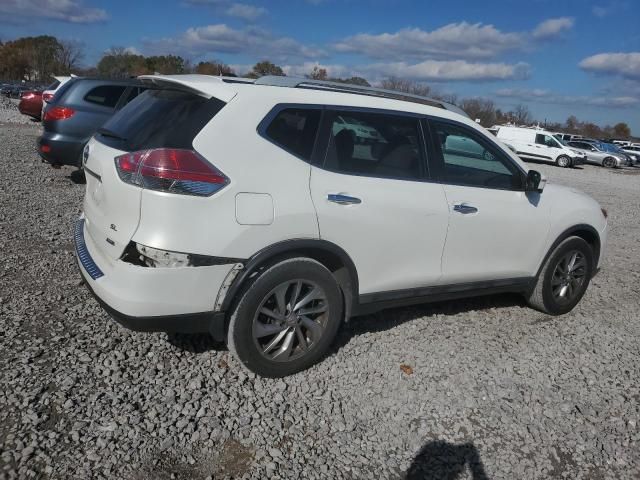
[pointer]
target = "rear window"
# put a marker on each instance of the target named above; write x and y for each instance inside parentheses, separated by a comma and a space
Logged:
(105, 95)
(159, 119)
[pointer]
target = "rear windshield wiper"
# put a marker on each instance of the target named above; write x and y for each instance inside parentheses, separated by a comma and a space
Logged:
(110, 133)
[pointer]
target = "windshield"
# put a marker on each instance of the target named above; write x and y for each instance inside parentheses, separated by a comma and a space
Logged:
(609, 147)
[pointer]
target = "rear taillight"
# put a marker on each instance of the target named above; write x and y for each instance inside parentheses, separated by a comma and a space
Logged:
(170, 170)
(28, 96)
(47, 96)
(59, 113)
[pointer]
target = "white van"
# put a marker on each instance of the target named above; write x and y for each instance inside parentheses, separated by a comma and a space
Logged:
(539, 144)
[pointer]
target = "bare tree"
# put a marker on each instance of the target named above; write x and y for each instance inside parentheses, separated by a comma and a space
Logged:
(480, 109)
(263, 68)
(522, 115)
(214, 67)
(621, 130)
(70, 55)
(406, 86)
(318, 73)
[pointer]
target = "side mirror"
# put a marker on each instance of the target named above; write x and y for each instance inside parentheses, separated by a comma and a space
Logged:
(534, 182)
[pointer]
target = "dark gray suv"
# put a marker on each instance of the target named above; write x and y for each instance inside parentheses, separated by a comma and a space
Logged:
(78, 109)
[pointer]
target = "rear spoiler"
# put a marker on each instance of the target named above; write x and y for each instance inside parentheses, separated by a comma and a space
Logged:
(203, 85)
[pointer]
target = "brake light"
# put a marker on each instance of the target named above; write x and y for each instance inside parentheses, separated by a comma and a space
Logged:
(47, 96)
(59, 113)
(170, 170)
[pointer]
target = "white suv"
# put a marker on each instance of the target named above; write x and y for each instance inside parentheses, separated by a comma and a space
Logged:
(238, 207)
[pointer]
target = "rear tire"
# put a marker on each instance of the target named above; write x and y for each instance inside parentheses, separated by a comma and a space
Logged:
(564, 278)
(563, 161)
(287, 318)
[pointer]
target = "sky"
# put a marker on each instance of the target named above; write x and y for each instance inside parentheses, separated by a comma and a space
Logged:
(560, 58)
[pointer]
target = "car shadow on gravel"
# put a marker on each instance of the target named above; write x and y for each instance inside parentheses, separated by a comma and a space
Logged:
(195, 342)
(439, 460)
(393, 317)
(77, 177)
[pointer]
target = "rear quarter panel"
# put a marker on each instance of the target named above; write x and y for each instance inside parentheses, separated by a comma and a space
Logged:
(208, 225)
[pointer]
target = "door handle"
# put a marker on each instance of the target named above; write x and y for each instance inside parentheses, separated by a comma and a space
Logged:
(341, 199)
(464, 208)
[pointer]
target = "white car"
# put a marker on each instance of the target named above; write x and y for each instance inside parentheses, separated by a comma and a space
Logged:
(540, 145)
(47, 95)
(230, 206)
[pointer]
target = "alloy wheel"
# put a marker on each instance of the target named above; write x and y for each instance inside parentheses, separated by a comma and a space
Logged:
(291, 320)
(569, 276)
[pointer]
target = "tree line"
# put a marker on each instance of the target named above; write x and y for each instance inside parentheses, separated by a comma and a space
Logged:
(36, 59)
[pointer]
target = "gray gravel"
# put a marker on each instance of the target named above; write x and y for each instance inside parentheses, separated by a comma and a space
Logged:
(9, 112)
(486, 386)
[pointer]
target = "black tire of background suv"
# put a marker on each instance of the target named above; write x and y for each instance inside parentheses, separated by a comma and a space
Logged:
(541, 298)
(240, 338)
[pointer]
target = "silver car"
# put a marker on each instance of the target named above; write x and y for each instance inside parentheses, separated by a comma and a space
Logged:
(634, 152)
(598, 154)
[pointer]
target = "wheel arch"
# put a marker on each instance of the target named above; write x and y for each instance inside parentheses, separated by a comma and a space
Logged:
(334, 258)
(584, 231)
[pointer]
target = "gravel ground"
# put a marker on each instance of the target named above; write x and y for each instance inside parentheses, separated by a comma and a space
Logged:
(9, 112)
(484, 388)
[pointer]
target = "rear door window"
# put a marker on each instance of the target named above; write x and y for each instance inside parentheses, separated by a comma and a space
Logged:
(382, 145)
(159, 119)
(295, 130)
(105, 95)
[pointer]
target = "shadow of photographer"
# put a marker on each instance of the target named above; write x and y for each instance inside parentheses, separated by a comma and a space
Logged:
(439, 460)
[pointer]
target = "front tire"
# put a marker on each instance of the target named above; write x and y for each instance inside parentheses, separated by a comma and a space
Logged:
(609, 162)
(286, 320)
(564, 278)
(563, 161)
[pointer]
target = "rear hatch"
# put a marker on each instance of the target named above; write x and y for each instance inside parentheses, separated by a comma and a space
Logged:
(156, 119)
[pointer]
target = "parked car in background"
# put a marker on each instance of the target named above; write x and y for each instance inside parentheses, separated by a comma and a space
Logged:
(78, 109)
(596, 153)
(12, 91)
(31, 104)
(538, 144)
(633, 151)
(567, 137)
(50, 91)
(614, 148)
(237, 207)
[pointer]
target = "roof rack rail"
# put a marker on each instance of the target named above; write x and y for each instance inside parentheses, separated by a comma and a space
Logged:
(294, 82)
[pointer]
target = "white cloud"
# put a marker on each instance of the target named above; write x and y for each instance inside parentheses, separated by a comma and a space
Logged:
(220, 38)
(600, 11)
(609, 8)
(132, 51)
(464, 40)
(453, 70)
(548, 97)
(552, 28)
(64, 10)
(625, 65)
(456, 40)
(333, 70)
(429, 70)
(246, 12)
